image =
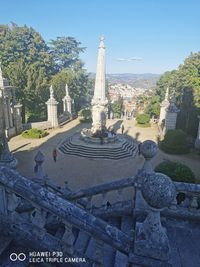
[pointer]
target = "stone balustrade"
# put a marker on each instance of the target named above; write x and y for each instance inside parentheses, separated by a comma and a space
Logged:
(47, 202)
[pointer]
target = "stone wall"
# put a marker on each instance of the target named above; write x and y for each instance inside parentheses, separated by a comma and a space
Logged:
(43, 125)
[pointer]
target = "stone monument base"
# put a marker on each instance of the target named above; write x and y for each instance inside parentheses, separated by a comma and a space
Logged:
(88, 138)
(114, 148)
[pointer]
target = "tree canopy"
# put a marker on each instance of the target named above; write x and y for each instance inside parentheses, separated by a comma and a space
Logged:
(31, 65)
(185, 83)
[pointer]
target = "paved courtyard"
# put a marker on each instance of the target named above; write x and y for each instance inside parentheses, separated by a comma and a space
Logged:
(82, 172)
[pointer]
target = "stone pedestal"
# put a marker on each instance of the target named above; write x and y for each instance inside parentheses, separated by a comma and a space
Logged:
(197, 141)
(171, 116)
(151, 238)
(7, 158)
(52, 109)
(157, 193)
(18, 119)
(67, 102)
(163, 108)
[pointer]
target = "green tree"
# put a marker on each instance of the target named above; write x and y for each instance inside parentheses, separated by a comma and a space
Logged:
(78, 84)
(185, 82)
(143, 119)
(27, 64)
(117, 107)
(65, 52)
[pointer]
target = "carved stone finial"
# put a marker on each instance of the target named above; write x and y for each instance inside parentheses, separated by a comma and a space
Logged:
(39, 158)
(102, 45)
(148, 149)
(66, 90)
(151, 238)
(158, 190)
(51, 92)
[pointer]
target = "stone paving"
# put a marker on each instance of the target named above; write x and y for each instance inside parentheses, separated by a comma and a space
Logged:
(82, 172)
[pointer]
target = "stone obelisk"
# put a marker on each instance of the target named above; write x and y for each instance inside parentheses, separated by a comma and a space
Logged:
(99, 101)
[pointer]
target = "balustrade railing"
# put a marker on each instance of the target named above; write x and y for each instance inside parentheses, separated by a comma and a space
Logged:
(45, 202)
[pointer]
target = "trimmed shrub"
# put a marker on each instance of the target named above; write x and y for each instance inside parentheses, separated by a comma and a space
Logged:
(143, 119)
(34, 133)
(175, 142)
(176, 171)
(85, 115)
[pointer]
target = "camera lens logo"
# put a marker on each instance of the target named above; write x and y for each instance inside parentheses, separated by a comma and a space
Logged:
(17, 257)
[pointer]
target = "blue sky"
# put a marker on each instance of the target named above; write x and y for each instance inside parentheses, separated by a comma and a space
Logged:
(161, 33)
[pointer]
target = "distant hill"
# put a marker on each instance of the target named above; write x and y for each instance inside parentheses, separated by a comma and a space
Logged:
(144, 80)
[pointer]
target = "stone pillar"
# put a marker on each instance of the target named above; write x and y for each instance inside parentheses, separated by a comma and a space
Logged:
(41, 176)
(67, 102)
(52, 109)
(163, 108)
(197, 142)
(10, 118)
(151, 238)
(171, 116)
(7, 157)
(5, 110)
(18, 118)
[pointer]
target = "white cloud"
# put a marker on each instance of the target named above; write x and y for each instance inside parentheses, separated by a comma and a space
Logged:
(129, 59)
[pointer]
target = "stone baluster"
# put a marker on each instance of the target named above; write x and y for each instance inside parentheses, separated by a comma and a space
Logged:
(148, 149)
(13, 201)
(186, 202)
(193, 203)
(41, 176)
(68, 236)
(38, 217)
(151, 239)
(89, 203)
(99, 252)
(174, 204)
(104, 198)
(120, 195)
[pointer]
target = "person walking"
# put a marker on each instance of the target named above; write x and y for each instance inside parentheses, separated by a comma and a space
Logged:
(122, 128)
(55, 154)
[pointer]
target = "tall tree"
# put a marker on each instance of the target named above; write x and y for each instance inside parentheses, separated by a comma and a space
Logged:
(65, 52)
(27, 64)
(185, 82)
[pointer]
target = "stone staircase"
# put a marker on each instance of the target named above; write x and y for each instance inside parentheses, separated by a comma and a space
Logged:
(124, 148)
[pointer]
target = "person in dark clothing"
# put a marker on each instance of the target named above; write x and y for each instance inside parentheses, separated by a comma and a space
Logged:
(122, 128)
(55, 154)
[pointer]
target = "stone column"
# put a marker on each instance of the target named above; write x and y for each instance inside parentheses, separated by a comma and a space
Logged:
(5, 110)
(197, 142)
(40, 174)
(52, 109)
(18, 118)
(171, 116)
(67, 102)
(7, 158)
(163, 108)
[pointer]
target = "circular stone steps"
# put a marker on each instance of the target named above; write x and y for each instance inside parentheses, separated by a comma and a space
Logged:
(124, 147)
